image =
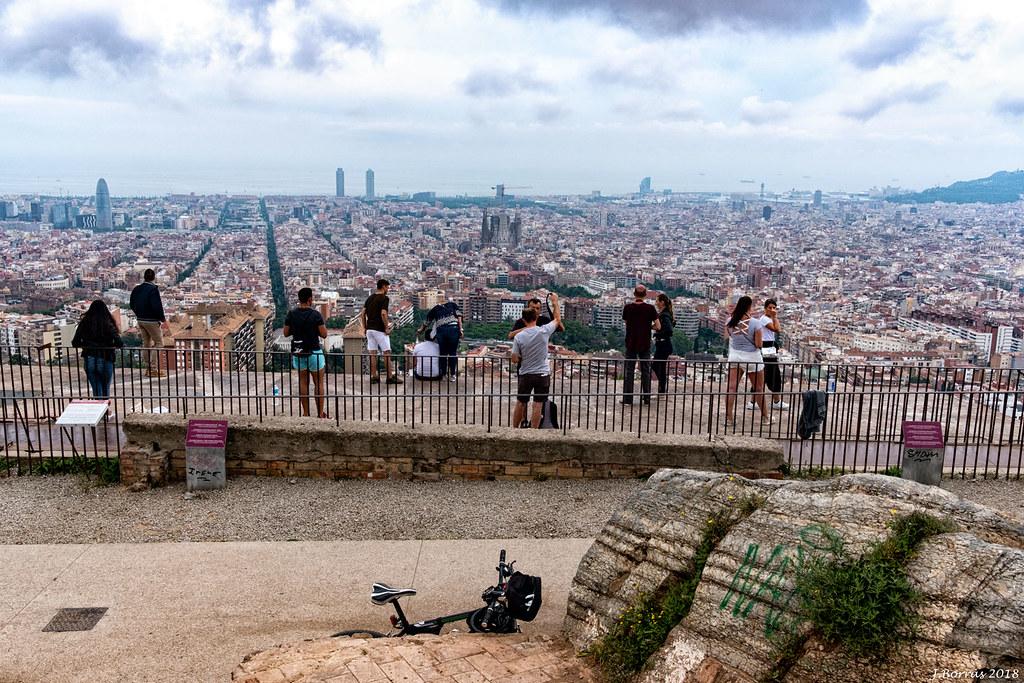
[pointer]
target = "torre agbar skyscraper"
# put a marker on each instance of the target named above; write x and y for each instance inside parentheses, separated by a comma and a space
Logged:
(104, 214)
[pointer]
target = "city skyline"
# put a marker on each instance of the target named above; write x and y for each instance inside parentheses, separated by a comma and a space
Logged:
(577, 96)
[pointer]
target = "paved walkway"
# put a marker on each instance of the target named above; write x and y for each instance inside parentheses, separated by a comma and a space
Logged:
(458, 658)
(190, 612)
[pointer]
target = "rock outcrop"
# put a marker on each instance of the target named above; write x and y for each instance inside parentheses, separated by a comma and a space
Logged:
(971, 580)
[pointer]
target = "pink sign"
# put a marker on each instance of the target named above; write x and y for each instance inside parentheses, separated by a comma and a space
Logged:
(207, 434)
(923, 434)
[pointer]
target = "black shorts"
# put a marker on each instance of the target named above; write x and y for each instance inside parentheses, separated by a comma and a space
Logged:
(539, 385)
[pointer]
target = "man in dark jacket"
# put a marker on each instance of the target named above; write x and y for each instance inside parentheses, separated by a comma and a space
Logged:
(641, 318)
(149, 311)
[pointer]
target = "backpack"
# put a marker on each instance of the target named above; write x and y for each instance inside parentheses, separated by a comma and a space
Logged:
(305, 339)
(523, 596)
(549, 415)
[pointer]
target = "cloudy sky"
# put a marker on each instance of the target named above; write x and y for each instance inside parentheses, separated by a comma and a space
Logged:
(553, 95)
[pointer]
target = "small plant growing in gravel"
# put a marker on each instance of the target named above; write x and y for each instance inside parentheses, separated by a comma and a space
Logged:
(107, 470)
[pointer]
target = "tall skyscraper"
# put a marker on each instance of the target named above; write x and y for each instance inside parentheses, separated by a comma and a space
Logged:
(817, 197)
(339, 183)
(104, 214)
(369, 183)
(645, 185)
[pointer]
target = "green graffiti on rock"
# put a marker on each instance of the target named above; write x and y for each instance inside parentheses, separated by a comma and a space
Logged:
(754, 584)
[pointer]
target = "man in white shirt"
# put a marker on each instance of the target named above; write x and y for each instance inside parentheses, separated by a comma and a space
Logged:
(427, 366)
(530, 351)
(770, 353)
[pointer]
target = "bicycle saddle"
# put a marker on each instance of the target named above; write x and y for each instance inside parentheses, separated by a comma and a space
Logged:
(383, 593)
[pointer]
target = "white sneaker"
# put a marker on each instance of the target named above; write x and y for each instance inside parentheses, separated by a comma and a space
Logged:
(780, 405)
(750, 405)
(452, 378)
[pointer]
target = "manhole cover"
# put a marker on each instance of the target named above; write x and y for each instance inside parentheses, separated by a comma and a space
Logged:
(75, 619)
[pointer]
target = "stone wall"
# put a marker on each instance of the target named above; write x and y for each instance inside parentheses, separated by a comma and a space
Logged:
(972, 581)
(308, 447)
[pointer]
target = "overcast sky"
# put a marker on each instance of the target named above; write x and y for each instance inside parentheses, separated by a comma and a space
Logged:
(556, 95)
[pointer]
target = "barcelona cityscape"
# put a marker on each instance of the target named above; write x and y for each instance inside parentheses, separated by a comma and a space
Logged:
(710, 315)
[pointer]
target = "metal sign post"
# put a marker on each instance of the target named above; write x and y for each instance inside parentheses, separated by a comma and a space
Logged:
(205, 443)
(923, 452)
(81, 414)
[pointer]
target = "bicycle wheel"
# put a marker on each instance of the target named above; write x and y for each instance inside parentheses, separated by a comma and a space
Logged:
(358, 633)
(501, 622)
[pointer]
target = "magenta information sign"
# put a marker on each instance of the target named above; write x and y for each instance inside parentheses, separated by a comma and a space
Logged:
(923, 434)
(207, 434)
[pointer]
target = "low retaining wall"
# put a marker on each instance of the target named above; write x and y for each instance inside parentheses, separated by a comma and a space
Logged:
(308, 447)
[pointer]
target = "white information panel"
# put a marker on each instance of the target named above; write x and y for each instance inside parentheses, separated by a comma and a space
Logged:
(83, 413)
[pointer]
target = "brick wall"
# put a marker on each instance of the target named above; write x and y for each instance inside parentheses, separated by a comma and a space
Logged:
(297, 447)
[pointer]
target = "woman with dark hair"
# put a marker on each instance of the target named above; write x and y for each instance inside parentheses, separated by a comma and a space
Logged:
(663, 341)
(97, 336)
(744, 357)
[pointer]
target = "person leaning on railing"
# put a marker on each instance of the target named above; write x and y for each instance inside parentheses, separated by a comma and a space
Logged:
(97, 336)
(663, 340)
(149, 312)
(306, 327)
(745, 339)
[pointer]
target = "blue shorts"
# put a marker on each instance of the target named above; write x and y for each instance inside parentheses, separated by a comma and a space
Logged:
(315, 362)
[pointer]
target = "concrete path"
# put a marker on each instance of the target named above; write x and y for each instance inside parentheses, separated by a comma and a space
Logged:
(184, 612)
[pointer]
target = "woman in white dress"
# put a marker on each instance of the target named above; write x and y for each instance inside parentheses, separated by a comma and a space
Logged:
(744, 334)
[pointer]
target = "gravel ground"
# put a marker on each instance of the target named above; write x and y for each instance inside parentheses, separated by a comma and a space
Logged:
(70, 510)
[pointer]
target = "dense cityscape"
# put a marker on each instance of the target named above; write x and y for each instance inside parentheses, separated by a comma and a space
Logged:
(859, 279)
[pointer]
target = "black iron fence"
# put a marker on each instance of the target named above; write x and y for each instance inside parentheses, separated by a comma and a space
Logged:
(980, 409)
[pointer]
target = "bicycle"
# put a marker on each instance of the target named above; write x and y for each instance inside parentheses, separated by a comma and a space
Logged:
(516, 597)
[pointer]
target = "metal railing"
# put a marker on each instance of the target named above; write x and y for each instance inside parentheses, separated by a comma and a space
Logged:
(980, 409)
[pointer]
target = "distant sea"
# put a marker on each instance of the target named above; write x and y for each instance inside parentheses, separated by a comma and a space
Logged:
(129, 182)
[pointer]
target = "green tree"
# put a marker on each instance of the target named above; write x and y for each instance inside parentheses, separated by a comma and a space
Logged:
(681, 344)
(131, 339)
(276, 279)
(674, 292)
(709, 341)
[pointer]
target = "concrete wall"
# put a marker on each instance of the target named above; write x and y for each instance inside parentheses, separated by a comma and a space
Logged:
(290, 446)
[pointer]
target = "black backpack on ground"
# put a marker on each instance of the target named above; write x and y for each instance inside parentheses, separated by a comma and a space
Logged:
(549, 415)
(523, 596)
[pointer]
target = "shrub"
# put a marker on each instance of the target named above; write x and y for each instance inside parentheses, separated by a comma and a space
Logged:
(107, 470)
(866, 604)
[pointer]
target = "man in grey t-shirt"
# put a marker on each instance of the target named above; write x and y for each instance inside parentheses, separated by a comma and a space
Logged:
(530, 351)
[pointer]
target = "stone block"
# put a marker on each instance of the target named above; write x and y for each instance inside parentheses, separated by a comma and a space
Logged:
(972, 581)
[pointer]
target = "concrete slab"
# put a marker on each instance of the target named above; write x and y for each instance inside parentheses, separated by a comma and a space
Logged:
(25, 570)
(192, 611)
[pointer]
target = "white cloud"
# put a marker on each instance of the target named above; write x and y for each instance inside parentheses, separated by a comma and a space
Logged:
(202, 81)
(756, 111)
